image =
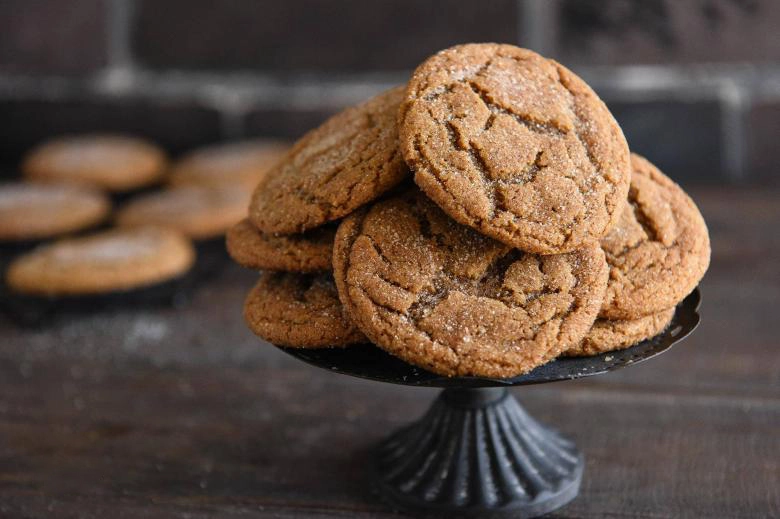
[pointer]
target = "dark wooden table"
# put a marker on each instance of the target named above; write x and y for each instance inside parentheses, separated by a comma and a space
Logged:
(183, 413)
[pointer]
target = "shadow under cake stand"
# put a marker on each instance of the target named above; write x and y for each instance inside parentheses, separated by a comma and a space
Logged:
(476, 452)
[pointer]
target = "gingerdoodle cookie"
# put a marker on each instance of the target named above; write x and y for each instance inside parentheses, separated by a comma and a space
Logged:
(608, 335)
(658, 251)
(348, 161)
(197, 211)
(443, 297)
(37, 211)
(110, 162)
(240, 163)
(299, 311)
(110, 261)
(514, 145)
(308, 252)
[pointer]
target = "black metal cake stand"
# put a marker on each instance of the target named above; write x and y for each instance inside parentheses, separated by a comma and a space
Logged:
(477, 452)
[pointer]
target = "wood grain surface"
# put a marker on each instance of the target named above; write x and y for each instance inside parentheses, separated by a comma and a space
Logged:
(181, 412)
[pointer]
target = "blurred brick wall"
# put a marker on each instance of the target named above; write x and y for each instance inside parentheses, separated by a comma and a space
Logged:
(695, 83)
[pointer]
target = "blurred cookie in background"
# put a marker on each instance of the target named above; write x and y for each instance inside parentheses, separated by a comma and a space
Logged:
(199, 212)
(35, 211)
(116, 163)
(239, 164)
(110, 261)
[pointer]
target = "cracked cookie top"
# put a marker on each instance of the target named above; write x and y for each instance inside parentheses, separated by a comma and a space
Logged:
(299, 311)
(308, 252)
(515, 146)
(443, 297)
(658, 251)
(334, 169)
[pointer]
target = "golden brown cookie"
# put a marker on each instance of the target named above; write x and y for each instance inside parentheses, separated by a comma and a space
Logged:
(350, 160)
(299, 311)
(35, 211)
(658, 251)
(237, 164)
(445, 298)
(514, 145)
(111, 162)
(199, 212)
(308, 252)
(110, 261)
(608, 335)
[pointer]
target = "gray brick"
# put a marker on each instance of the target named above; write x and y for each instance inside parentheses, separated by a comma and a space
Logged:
(177, 127)
(312, 35)
(52, 37)
(288, 124)
(763, 149)
(665, 31)
(684, 138)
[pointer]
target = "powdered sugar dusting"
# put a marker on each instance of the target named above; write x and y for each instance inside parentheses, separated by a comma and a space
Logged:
(73, 155)
(108, 248)
(190, 200)
(22, 196)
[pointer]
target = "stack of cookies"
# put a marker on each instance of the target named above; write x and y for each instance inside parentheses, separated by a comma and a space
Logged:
(481, 220)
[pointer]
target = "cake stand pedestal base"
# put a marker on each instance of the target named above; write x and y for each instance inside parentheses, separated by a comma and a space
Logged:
(478, 453)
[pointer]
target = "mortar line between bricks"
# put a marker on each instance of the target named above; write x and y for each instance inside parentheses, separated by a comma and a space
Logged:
(313, 91)
(734, 101)
(534, 25)
(119, 23)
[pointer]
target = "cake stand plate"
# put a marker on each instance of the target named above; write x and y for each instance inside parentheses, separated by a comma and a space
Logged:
(477, 452)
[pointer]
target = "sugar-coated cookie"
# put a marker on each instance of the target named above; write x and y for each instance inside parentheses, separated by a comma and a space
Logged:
(658, 251)
(197, 211)
(608, 335)
(515, 146)
(110, 261)
(441, 296)
(311, 251)
(299, 311)
(243, 163)
(111, 162)
(37, 211)
(350, 160)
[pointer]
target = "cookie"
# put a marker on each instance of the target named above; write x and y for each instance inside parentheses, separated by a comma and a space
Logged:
(110, 261)
(110, 162)
(348, 161)
(236, 164)
(608, 335)
(35, 211)
(199, 212)
(308, 252)
(658, 251)
(442, 297)
(515, 146)
(299, 311)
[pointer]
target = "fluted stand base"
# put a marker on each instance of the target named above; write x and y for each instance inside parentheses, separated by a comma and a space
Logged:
(477, 453)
